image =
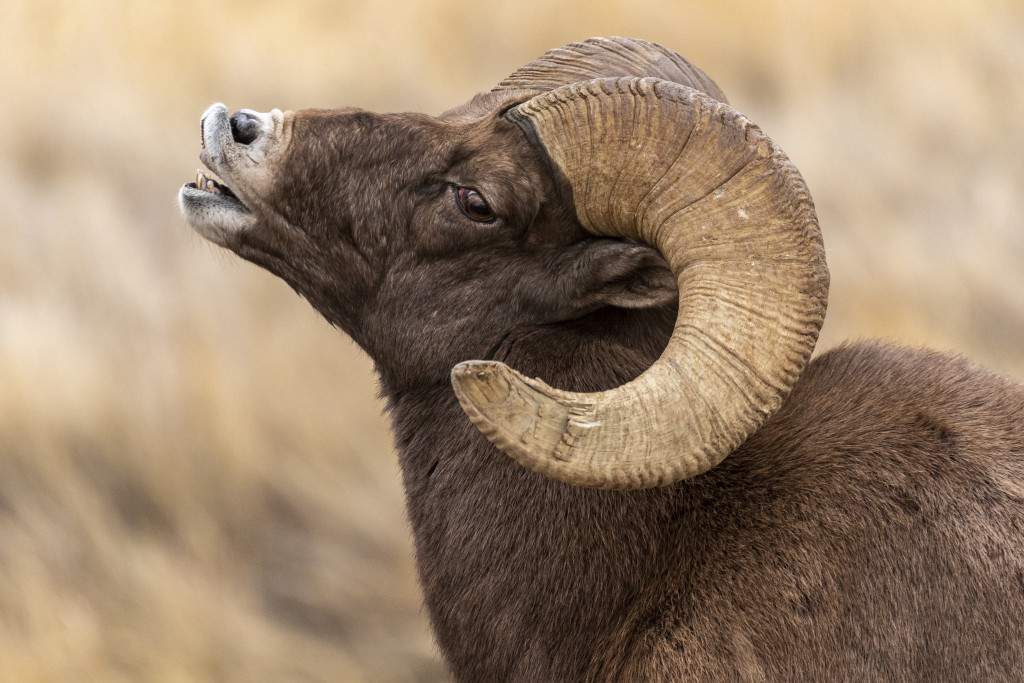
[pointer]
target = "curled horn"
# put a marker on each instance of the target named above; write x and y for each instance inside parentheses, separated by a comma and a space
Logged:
(656, 161)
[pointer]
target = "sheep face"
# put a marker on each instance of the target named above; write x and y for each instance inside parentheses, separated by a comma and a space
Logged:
(426, 239)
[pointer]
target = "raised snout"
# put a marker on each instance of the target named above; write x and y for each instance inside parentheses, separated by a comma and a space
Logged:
(241, 149)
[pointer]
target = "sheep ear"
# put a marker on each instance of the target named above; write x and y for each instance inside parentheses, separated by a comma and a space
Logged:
(609, 272)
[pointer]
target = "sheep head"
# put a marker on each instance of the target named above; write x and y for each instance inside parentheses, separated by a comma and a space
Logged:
(606, 173)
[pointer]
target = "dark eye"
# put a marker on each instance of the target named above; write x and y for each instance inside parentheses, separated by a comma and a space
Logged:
(473, 204)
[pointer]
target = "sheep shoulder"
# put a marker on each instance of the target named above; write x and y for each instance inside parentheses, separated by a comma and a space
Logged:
(871, 530)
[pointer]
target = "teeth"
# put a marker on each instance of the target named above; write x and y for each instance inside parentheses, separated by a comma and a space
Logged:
(205, 184)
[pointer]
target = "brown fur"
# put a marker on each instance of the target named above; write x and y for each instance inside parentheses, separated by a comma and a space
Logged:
(871, 530)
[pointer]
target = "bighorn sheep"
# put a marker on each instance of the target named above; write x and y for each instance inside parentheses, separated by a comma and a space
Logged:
(602, 220)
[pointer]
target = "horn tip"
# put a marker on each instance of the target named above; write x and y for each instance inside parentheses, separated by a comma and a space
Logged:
(478, 383)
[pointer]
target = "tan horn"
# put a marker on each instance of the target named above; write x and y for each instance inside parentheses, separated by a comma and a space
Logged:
(665, 164)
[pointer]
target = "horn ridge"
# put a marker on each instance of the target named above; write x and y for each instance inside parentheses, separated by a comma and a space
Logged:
(607, 58)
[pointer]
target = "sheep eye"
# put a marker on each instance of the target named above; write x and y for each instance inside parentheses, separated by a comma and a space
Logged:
(473, 204)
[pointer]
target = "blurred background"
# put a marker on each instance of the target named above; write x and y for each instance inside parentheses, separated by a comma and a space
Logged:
(196, 483)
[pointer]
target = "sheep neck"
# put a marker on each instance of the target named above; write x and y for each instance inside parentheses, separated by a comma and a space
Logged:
(512, 564)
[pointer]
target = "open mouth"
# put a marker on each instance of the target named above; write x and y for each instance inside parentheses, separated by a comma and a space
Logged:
(210, 194)
(214, 210)
(204, 183)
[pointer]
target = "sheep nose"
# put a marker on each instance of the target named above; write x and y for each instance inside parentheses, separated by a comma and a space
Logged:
(244, 127)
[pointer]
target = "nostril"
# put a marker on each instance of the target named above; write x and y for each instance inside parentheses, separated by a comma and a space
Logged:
(244, 127)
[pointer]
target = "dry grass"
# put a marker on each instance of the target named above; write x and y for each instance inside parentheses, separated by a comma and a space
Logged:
(195, 483)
